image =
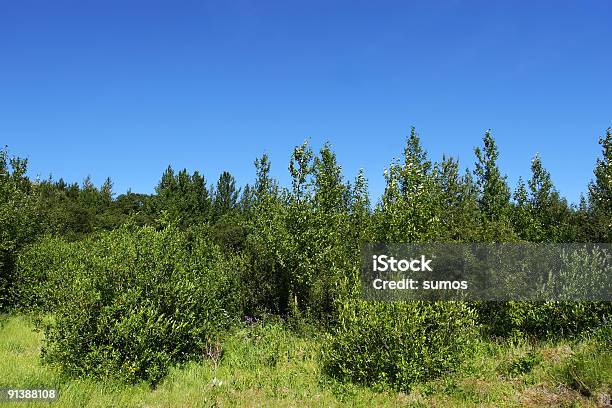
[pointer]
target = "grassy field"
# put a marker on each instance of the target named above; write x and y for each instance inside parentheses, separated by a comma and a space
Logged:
(269, 365)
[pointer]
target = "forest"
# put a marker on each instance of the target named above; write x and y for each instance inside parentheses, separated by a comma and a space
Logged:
(263, 281)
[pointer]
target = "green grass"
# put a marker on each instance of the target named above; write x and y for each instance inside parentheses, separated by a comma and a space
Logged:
(268, 365)
(589, 369)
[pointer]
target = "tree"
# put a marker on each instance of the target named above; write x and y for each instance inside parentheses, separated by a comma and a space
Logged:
(600, 192)
(135, 207)
(247, 199)
(550, 214)
(409, 209)
(521, 212)
(493, 194)
(494, 197)
(457, 202)
(225, 196)
(330, 190)
(265, 186)
(183, 197)
(228, 229)
(267, 282)
(414, 173)
(360, 207)
(301, 168)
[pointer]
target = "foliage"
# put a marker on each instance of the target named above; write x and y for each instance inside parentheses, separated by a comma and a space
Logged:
(225, 196)
(300, 258)
(409, 210)
(589, 370)
(265, 364)
(565, 317)
(546, 319)
(137, 302)
(540, 214)
(18, 219)
(43, 271)
(139, 282)
(399, 344)
(183, 196)
(493, 194)
(600, 193)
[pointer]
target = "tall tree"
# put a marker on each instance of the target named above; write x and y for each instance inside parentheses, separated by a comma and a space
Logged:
(247, 199)
(301, 168)
(330, 190)
(600, 192)
(265, 186)
(183, 197)
(225, 196)
(521, 212)
(494, 194)
(409, 209)
(415, 171)
(494, 197)
(543, 197)
(360, 206)
(457, 201)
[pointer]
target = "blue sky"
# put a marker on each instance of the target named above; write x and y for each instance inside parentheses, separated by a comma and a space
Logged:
(124, 88)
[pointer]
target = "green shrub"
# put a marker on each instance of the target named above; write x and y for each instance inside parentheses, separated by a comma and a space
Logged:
(136, 301)
(42, 270)
(399, 343)
(584, 272)
(543, 319)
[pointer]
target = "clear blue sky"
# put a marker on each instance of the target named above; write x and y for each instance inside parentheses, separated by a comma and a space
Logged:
(124, 88)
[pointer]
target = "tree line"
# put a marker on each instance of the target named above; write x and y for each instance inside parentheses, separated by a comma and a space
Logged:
(287, 232)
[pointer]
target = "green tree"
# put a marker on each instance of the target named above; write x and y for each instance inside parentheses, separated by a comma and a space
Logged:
(225, 196)
(493, 194)
(541, 190)
(265, 187)
(330, 190)
(540, 214)
(600, 193)
(300, 169)
(409, 209)
(329, 237)
(457, 202)
(135, 207)
(267, 281)
(247, 199)
(521, 212)
(360, 211)
(184, 197)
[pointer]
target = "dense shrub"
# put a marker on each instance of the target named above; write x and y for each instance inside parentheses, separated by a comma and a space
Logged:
(399, 343)
(19, 221)
(136, 301)
(42, 270)
(543, 319)
(585, 272)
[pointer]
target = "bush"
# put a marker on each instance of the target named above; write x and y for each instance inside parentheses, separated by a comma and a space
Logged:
(399, 343)
(584, 271)
(137, 301)
(543, 320)
(42, 270)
